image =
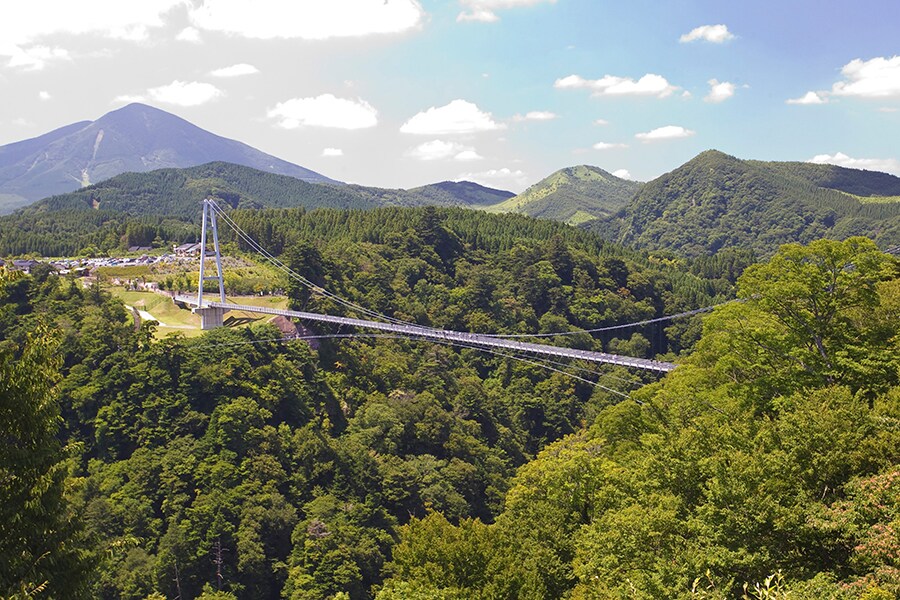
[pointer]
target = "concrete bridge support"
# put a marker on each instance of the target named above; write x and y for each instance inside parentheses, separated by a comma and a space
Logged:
(210, 318)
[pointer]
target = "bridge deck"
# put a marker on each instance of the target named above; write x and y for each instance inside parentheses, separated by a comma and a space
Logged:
(473, 339)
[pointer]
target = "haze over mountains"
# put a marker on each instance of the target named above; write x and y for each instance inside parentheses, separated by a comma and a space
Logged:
(136, 138)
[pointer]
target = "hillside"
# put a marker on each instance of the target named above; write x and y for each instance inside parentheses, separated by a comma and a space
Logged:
(136, 138)
(718, 201)
(572, 195)
(168, 200)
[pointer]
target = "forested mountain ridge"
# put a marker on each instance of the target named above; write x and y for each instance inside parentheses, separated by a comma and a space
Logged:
(572, 195)
(135, 138)
(169, 200)
(718, 201)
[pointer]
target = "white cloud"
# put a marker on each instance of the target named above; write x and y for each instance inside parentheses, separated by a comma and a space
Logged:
(483, 10)
(669, 132)
(440, 150)
(235, 70)
(467, 155)
(185, 93)
(719, 91)
(189, 34)
(35, 19)
(808, 98)
(601, 122)
(888, 109)
(309, 19)
(610, 85)
(875, 78)
(887, 165)
(622, 174)
(504, 178)
(44, 95)
(459, 116)
(324, 111)
(716, 34)
(536, 115)
(34, 58)
(608, 146)
(332, 152)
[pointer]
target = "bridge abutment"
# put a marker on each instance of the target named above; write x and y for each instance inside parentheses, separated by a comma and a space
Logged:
(211, 317)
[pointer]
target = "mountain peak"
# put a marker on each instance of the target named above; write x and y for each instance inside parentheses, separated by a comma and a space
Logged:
(573, 194)
(134, 138)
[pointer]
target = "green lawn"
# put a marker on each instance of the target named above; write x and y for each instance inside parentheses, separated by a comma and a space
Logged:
(174, 319)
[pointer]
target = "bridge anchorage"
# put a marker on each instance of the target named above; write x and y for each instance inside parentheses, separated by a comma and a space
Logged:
(212, 312)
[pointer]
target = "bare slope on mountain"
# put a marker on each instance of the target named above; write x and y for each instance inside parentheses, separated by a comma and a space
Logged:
(717, 201)
(136, 138)
(573, 195)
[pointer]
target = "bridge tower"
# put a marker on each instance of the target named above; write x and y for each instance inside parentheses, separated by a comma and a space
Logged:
(210, 317)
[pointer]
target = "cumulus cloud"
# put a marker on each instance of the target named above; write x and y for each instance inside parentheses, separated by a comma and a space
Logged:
(25, 27)
(44, 95)
(34, 58)
(608, 146)
(808, 98)
(441, 150)
(235, 70)
(610, 85)
(459, 116)
(719, 91)
(332, 152)
(311, 20)
(185, 93)
(716, 34)
(503, 178)
(622, 174)
(875, 78)
(601, 122)
(111, 18)
(484, 10)
(324, 111)
(887, 165)
(669, 132)
(189, 34)
(536, 115)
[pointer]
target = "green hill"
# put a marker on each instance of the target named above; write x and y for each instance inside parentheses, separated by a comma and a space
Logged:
(573, 195)
(167, 204)
(718, 201)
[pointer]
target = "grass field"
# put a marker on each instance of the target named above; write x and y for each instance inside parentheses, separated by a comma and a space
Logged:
(173, 319)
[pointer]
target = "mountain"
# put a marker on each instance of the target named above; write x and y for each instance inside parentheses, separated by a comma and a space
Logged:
(717, 201)
(178, 192)
(573, 195)
(136, 138)
(64, 223)
(460, 193)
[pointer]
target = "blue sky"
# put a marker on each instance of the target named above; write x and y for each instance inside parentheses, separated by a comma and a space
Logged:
(399, 93)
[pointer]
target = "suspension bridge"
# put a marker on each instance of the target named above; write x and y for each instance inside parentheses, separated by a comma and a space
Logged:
(212, 312)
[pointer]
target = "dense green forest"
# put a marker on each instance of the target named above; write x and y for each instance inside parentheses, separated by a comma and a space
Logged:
(235, 465)
(288, 470)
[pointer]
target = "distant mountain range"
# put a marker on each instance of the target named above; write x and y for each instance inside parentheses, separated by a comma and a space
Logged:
(713, 201)
(136, 138)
